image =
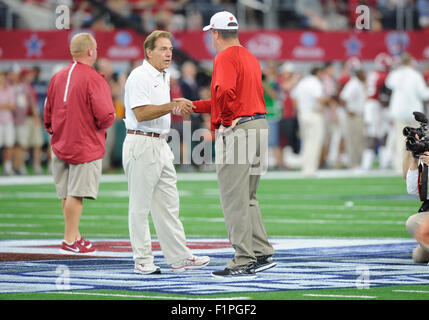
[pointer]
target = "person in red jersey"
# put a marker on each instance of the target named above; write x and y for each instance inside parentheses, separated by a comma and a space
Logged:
(237, 109)
(78, 111)
(375, 112)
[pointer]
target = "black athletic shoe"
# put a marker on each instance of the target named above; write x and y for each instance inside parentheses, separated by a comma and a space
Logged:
(246, 272)
(263, 263)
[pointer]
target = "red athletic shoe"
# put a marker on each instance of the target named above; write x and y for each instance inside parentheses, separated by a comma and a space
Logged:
(85, 243)
(75, 248)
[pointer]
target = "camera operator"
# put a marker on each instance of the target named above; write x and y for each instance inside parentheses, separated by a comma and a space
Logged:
(418, 224)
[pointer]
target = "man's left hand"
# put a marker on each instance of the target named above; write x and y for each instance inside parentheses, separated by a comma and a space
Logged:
(225, 130)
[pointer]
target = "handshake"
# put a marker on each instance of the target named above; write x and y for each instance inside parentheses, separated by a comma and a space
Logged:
(182, 107)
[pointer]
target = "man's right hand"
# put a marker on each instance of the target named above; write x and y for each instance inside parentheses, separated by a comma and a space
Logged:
(183, 107)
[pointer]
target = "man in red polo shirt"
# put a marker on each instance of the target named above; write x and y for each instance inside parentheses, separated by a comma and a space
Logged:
(237, 109)
(78, 111)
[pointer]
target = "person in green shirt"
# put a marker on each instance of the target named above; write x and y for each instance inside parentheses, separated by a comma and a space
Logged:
(274, 111)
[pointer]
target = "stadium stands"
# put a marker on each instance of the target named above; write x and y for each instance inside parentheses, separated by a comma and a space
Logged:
(291, 37)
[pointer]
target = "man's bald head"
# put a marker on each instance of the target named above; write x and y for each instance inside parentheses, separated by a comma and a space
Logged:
(83, 46)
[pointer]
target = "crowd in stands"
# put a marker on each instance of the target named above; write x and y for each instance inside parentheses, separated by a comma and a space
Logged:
(345, 116)
(342, 136)
(22, 97)
(174, 15)
(24, 144)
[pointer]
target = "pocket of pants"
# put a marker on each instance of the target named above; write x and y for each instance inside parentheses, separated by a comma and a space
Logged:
(141, 151)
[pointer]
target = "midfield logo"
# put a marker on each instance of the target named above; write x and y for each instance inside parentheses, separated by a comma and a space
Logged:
(301, 264)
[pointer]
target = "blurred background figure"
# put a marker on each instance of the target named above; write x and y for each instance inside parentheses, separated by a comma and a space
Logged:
(105, 68)
(7, 128)
(179, 149)
(274, 112)
(191, 90)
(40, 87)
(33, 122)
(409, 91)
(26, 120)
(288, 124)
(332, 139)
(265, 24)
(376, 117)
(353, 98)
(310, 102)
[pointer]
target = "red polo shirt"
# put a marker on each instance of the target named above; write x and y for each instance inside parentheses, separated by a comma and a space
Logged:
(236, 87)
(78, 110)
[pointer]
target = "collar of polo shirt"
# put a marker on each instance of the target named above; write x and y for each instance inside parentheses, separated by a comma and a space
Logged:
(152, 70)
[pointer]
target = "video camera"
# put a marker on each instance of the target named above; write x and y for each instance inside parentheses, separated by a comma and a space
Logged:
(420, 145)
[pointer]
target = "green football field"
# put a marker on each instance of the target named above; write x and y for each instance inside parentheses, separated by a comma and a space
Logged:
(293, 207)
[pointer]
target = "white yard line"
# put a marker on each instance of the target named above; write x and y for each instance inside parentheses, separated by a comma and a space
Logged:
(145, 297)
(88, 217)
(211, 176)
(338, 296)
(411, 291)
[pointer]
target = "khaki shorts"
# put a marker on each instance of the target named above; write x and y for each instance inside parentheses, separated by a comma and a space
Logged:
(35, 135)
(7, 134)
(80, 180)
(21, 135)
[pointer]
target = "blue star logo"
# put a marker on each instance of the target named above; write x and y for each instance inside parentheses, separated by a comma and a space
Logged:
(353, 46)
(34, 46)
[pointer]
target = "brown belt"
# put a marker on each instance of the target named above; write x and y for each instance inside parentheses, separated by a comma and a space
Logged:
(142, 133)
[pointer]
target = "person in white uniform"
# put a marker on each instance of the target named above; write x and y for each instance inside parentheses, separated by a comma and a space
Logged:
(409, 91)
(353, 97)
(309, 99)
(148, 161)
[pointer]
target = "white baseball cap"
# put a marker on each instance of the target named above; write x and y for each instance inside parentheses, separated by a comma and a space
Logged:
(221, 21)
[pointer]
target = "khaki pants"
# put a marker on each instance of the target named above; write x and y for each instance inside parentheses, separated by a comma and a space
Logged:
(421, 252)
(312, 132)
(238, 183)
(354, 139)
(148, 165)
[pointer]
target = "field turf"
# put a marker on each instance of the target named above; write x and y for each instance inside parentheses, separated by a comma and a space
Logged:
(353, 206)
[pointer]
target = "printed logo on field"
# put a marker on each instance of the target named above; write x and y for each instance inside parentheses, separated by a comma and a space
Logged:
(301, 264)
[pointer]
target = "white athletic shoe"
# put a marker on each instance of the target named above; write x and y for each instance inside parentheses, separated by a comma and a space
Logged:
(146, 269)
(192, 263)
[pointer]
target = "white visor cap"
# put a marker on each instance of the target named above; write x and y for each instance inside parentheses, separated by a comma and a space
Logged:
(222, 21)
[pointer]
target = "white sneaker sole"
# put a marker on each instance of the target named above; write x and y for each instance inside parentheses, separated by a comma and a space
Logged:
(235, 278)
(194, 267)
(62, 251)
(156, 271)
(266, 267)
